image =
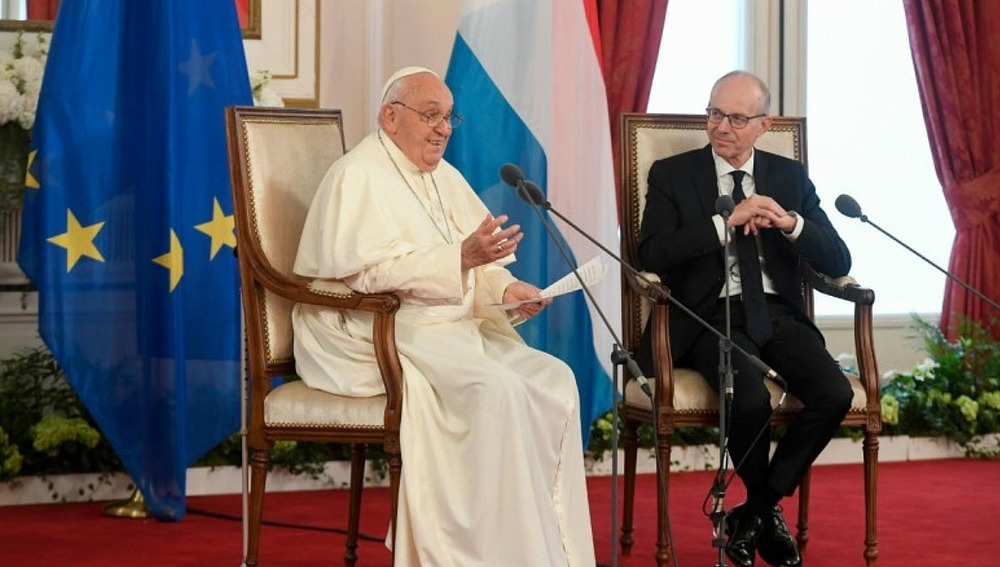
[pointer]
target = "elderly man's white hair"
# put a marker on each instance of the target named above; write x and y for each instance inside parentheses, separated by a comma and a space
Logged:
(392, 85)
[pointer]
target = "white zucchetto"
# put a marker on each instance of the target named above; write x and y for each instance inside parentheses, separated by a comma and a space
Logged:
(404, 72)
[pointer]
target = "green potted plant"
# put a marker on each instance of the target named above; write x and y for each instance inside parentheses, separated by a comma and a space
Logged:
(955, 393)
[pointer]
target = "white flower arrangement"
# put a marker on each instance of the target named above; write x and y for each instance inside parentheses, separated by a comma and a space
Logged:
(260, 85)
(22, 64)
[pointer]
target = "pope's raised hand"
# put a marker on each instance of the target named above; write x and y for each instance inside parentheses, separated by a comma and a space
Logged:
(490, 242)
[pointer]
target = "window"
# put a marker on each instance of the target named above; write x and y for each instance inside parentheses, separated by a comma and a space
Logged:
(693, 54)
(866, 134)
(867, 139)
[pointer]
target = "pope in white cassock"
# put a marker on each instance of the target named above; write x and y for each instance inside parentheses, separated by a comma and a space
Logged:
(491, 442)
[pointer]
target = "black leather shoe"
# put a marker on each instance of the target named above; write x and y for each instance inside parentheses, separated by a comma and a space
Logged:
(775, 543)
(744, 530)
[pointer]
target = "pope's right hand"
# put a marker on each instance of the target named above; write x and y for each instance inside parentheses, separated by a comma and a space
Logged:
(489, 242)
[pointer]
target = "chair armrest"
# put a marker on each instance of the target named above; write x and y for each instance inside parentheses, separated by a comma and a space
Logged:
(336, 295)
(323, 292)
(863, 299)
(844, 287)
(647, 285)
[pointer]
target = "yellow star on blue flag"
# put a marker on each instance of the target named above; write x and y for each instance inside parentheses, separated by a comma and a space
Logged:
(78, 240)
(221, 229)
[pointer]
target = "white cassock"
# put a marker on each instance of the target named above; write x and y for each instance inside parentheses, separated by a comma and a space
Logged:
(492, 452)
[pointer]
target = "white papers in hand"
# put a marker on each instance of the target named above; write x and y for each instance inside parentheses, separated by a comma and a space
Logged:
(591, 273)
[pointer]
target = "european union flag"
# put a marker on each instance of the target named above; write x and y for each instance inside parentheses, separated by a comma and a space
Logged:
(128, 228)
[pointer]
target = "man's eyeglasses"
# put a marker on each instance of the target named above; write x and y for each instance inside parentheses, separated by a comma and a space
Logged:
(434, 119)
(737, 121)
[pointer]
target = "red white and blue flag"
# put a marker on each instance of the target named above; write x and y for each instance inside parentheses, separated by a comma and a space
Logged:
(526, 76)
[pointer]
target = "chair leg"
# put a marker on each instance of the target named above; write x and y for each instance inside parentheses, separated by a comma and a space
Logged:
(395, 459)
(802, 532)
(871, 492)
(258, 480)
(354, 508)
(630, 445)
(663, 535)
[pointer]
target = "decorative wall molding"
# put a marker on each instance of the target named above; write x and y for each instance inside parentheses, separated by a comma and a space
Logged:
(289, 49)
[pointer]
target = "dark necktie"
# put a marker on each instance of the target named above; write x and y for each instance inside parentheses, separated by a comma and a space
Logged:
(758, 318)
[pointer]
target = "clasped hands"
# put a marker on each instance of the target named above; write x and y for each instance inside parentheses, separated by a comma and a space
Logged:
(489, 243)
(758, 212)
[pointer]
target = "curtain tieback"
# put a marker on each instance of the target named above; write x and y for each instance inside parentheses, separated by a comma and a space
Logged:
(974, 202)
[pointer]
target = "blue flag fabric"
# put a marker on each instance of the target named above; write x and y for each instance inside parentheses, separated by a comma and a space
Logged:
(526, 77)
(128, 228)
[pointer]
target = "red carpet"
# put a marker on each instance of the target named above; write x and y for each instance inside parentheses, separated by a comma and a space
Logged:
(931, 514)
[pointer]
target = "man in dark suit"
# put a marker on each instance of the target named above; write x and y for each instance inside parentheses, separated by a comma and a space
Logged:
(777, 223)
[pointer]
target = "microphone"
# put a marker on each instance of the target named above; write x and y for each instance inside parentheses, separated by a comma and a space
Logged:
(526, 190)
(511, 175)
(850, 208)
(533, 194)
(724, 206)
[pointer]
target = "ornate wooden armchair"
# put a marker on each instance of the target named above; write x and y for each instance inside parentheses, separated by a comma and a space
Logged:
(277, 158)
(683, 398)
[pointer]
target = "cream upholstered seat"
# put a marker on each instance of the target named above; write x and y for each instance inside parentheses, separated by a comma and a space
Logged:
(684, 397)
(277, 159)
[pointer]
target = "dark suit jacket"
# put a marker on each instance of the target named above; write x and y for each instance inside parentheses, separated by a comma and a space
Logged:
(678, 240)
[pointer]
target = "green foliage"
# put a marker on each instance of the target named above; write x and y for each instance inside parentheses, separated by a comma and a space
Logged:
(10, 457)
(45, 428)
(602, 428)
(955, 393)
(294, 457)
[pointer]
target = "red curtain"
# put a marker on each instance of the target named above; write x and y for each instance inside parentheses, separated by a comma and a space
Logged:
(956, 54)
(42, 9)
(630, 41)
(243, 13)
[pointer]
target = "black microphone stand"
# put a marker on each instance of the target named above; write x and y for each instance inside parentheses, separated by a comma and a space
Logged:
(724, 207)
(531, 193)
(849, 207)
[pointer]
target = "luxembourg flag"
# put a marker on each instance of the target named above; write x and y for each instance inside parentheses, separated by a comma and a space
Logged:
(526, 77)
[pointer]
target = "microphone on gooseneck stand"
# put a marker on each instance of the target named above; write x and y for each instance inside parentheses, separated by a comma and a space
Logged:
(724, 206)
(532, 194)
(850, 208)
